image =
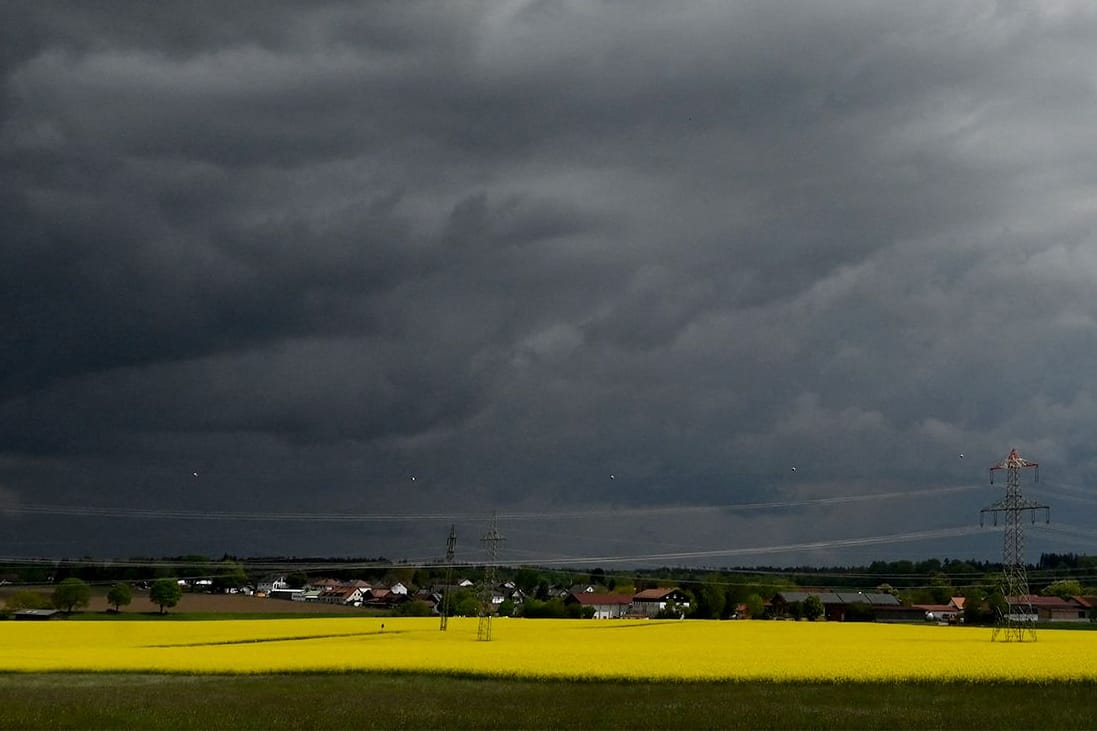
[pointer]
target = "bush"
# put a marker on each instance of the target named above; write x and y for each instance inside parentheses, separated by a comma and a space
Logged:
(27, 599)
(813, 608)
(412, 608)
(670, 611)
(550, 609)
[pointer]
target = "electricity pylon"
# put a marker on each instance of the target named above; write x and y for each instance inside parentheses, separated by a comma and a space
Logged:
(1017, 622)
(451, 549)
(491, 540)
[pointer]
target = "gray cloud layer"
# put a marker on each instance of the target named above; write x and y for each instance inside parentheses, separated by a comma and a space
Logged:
(309, 250)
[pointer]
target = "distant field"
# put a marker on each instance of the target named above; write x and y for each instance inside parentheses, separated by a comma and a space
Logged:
(633, 650)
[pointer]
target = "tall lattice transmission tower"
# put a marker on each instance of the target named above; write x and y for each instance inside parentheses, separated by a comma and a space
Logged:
(451, 550)
(1018, 622)
(491, 541)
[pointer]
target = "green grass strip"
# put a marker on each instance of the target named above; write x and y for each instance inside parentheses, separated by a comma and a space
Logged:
(415, 701)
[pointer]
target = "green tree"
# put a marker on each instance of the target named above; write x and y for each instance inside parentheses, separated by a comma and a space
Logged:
(297, 579)
(976, 609)
(813, 608)
(997, 604)
(506, 608)
(1064, 589)
(756, 606)
(711, 598)
(526, 579)
(165, 593)
(940, 587)
(70, 594)
(464, 604)
(120, 595)
(229, 574)
(598, 577)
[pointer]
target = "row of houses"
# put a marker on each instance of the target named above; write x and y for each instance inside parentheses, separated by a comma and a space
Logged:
(334, 591)
(882, 607)
(646, 603)
(672, 601)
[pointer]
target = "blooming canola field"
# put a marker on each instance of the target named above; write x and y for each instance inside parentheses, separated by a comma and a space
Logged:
(589, 649)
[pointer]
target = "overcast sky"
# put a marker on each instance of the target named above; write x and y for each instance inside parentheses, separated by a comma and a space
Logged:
(333, 275)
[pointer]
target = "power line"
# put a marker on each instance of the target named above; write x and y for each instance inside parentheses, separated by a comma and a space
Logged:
(766, 550)
(90, 511)
(544, 560)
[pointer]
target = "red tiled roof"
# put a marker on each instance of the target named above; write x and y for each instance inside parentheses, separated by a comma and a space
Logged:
(590, 598)
(1048, 602)
(655, 594)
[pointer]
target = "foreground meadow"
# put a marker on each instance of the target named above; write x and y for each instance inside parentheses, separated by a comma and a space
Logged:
(411, 701)
(543, 649)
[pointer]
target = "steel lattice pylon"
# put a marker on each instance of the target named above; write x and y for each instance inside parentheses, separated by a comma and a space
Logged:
(1017, 622)
(451, 549)
(491, 539)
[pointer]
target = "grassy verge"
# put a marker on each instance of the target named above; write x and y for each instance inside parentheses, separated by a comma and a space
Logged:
(360, 700)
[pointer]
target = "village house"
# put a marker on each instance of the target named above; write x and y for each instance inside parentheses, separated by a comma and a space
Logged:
(951, 613)
(605, 606)
(1054, 609)
(378, 597)
(346, 595)
(268, 584)
(651, 602)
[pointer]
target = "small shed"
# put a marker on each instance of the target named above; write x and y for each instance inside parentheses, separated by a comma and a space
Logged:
(37, 614)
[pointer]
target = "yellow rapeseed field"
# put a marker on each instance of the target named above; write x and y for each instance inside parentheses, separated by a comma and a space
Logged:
(669, 650)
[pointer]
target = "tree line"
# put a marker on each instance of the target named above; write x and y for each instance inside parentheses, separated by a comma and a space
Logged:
(72, 594)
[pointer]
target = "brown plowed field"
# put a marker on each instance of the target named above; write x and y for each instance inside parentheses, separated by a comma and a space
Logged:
(219, 603)
(230, 603)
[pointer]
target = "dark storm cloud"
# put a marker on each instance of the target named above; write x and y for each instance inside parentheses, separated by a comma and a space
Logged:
(515, 248)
